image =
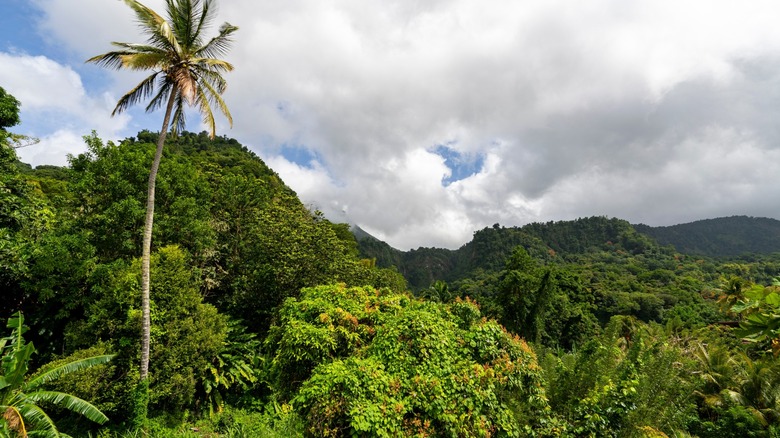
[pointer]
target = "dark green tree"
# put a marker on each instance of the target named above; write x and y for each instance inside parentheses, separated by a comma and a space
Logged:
(544, 304)
(24, 217)
(9, 116)
(189, 333)
(9, 113)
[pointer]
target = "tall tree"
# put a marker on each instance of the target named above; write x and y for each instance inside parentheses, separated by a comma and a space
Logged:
(9, 116)
(185, 71)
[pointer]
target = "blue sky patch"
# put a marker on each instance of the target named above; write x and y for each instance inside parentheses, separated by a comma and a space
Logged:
(461, 165)
(300, 155)
(17, 28)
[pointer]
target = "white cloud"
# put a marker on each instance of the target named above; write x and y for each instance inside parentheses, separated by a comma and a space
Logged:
(653, 111)
(54, 107)
(41, 83)
(53, 149)
(87, 28)
(716, 172)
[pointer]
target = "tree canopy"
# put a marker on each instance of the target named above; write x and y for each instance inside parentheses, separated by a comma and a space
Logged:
(266, 321)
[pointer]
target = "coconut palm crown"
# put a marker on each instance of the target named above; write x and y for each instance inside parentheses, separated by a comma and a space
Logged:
(185, 66)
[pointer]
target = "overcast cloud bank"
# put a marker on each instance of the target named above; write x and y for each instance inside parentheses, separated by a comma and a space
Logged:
(651, 111)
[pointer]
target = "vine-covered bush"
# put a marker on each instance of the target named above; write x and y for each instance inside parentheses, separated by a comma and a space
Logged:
(372, 362)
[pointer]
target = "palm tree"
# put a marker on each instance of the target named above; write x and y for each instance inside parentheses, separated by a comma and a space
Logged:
(185, 70)
(759, 388)
(20, 396)
(718, 370)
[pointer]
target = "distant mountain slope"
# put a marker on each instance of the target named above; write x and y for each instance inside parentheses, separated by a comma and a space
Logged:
(721, 237)
(490, 247)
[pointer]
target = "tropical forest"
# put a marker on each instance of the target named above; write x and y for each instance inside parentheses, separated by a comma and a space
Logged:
(170, 284)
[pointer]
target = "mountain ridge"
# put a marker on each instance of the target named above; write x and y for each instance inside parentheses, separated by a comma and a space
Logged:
(719, 237)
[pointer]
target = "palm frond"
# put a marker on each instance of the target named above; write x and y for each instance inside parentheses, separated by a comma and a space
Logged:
(178, 119)
(145, 61)
(206, 112)
(214, 79)
(211, 65)
(68, 368)
(185, 18)
(206, 17)
(177, 21)
(214, 96)
(159, 99)
(219, 45)
(156, 27)
(138, 48)
(145, 16)
(141, 91)
(188, 18)
(112, 60)
(71, 403)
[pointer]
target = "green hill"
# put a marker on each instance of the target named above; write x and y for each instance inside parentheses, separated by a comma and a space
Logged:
(721, 237)
(566, 240)
(490, 247)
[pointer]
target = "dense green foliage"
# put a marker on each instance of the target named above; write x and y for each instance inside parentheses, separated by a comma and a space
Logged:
(230, 233)
(266, 321)
(185, 69)
(9, 110)
(629, 326)
(382, 364)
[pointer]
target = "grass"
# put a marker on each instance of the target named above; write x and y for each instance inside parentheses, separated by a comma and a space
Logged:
(232, 423)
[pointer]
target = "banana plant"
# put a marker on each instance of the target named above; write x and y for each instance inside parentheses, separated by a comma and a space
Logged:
(20, 395)
(760, 310)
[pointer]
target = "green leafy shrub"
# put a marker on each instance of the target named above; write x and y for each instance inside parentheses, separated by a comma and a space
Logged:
(372, 362)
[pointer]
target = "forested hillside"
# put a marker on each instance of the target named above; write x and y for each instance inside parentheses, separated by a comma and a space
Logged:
(490, 247)
(721, 237)
(567, 284)
(568, 240)
(270, 320)
(232, 242)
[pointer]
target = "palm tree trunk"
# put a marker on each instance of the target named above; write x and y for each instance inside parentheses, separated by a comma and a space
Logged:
(146, 253)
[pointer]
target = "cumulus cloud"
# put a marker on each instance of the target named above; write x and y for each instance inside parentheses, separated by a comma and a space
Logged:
(83, 34)
(55, 107)
(652, 111)
(54, 148)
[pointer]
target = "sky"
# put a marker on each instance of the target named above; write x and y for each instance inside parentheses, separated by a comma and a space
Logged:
(423, 121)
